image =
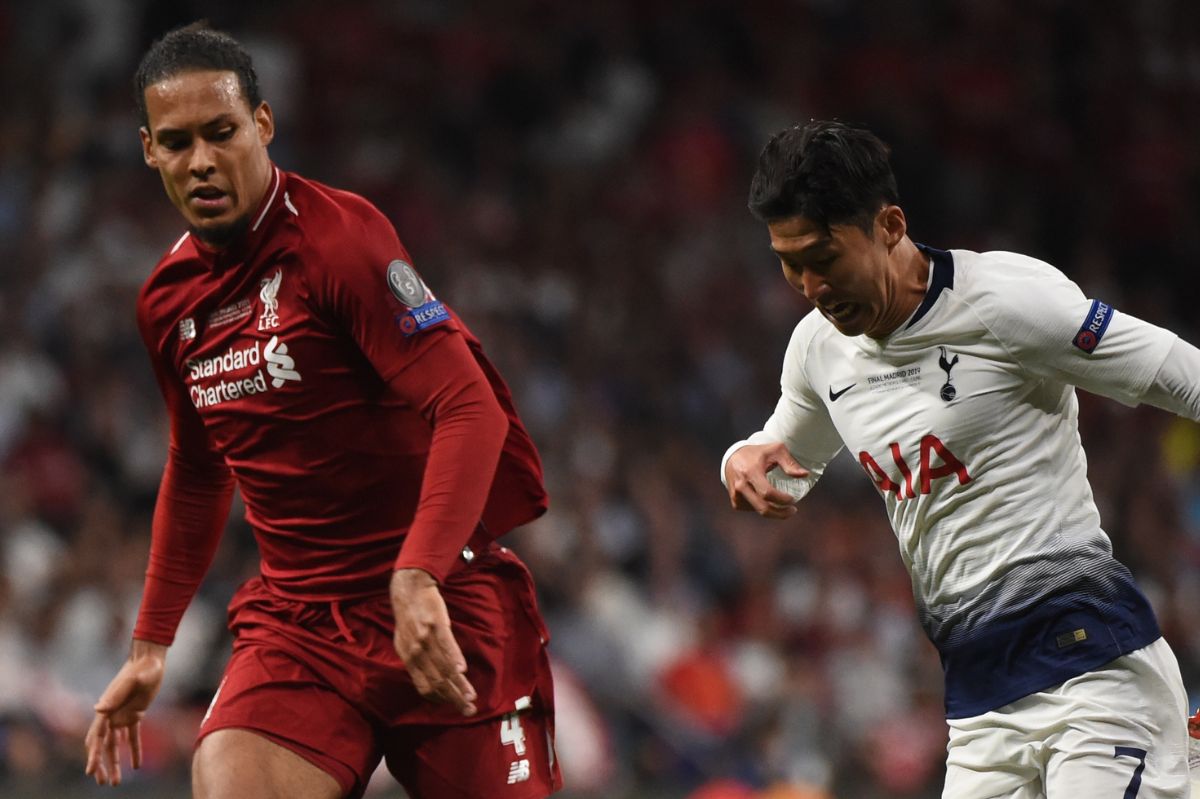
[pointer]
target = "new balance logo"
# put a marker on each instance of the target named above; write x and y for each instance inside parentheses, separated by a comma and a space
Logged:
(512, 734)
(518, 772)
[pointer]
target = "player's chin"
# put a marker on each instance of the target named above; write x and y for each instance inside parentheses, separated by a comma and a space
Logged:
(221, 230)
(849, 327)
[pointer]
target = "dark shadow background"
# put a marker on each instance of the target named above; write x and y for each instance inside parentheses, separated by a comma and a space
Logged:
(572, 178)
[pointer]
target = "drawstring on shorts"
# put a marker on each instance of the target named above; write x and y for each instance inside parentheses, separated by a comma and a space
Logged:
(335, 609)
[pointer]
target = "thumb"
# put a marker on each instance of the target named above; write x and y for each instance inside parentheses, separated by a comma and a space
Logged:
(789, 465)
(119, 692)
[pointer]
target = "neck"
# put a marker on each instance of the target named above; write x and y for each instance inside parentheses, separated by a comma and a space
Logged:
(907, 279)
(224, 236)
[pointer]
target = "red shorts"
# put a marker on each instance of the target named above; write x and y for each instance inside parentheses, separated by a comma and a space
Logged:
(323, 680)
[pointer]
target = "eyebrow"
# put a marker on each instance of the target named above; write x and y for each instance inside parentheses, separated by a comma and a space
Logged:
(808, 249)
(217, 120)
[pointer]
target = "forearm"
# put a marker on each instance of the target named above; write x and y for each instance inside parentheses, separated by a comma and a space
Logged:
(189, 517)
(1176, 387)
(468, 435)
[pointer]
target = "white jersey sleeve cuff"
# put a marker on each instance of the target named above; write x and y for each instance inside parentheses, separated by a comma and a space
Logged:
(1176, 387)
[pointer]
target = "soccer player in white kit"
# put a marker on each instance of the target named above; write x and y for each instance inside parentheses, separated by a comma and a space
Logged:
(950, 376)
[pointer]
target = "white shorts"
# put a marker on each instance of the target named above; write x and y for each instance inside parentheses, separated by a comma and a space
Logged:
(1119, 732)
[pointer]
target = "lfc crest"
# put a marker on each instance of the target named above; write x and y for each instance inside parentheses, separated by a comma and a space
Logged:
(268, 294)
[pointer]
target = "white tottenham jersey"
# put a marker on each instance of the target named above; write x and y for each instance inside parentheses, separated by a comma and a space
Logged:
(966, 421)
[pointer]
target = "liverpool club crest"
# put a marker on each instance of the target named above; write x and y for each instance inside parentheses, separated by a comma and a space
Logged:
(268, 295)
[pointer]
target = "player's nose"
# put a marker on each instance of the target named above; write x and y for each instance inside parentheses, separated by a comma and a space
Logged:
(813, 286)
(201, 163)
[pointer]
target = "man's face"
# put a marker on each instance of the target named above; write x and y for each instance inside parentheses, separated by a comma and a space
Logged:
(210, 149)
(842, 271)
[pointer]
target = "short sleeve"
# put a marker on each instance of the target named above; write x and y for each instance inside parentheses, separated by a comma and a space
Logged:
(1053, 330)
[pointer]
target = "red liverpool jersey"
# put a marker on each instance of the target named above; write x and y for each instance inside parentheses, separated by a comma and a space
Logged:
(359, 416)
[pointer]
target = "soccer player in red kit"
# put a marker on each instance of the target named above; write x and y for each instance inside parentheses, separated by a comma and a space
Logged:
(379, 455)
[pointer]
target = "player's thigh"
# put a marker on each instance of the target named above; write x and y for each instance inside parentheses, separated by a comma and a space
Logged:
(235, 763)
(288, 705)
(1126, 731)
(508, 757)
(988, 757)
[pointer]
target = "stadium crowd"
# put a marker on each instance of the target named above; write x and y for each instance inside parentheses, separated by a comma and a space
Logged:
(571, 177)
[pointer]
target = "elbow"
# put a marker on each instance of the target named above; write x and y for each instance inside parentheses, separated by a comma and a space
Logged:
(476, 410)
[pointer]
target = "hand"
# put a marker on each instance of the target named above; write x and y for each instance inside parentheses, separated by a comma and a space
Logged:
(749, 489)
(119, 713)
(424, 641)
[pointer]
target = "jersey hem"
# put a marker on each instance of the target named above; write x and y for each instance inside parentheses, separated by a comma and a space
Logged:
(1057, 641)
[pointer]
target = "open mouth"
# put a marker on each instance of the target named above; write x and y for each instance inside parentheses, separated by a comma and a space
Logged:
(840, 310)
(209, 198)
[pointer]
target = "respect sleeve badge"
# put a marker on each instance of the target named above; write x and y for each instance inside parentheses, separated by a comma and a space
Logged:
(423, 309)
(1093, 327)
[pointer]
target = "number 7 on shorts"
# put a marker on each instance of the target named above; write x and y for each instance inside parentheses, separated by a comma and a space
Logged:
(1135, 782)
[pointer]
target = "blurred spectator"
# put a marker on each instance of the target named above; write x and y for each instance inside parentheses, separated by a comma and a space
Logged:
(572, 178)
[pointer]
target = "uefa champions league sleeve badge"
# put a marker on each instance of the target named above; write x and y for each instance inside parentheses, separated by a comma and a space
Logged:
(405, 284)
(423, 309)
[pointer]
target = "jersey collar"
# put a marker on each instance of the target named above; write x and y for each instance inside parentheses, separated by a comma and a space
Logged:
(941, 279)
(241, 249)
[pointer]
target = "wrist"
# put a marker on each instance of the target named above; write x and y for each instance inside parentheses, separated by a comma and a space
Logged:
(412, 577)
(147, 649)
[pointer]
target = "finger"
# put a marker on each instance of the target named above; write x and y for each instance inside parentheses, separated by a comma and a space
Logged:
(437, 670)
(789, 466)
(777, 496)
(743, 497)
(97, 736)
(426, 676)
(457, 692)
(774, 505)
(735, 498)
(767, 490)
(761, 485)
(112, 756)
(89, 743)
(455, 670)
(779, 512)
(135, 745)
(420, 681)
(100, 770)
(116, 694)
(466, 693)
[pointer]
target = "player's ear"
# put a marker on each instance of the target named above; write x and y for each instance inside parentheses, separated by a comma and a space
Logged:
(147, 153)
(264, 120)
(894, 225)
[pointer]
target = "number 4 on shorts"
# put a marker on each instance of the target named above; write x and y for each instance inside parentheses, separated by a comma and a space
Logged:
(1135, 782)
(511, 732)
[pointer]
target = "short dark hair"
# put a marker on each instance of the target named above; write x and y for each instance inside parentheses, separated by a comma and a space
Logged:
(193, 48)
(826, 171)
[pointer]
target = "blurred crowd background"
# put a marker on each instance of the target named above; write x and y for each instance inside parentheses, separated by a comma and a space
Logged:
(572, 178)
